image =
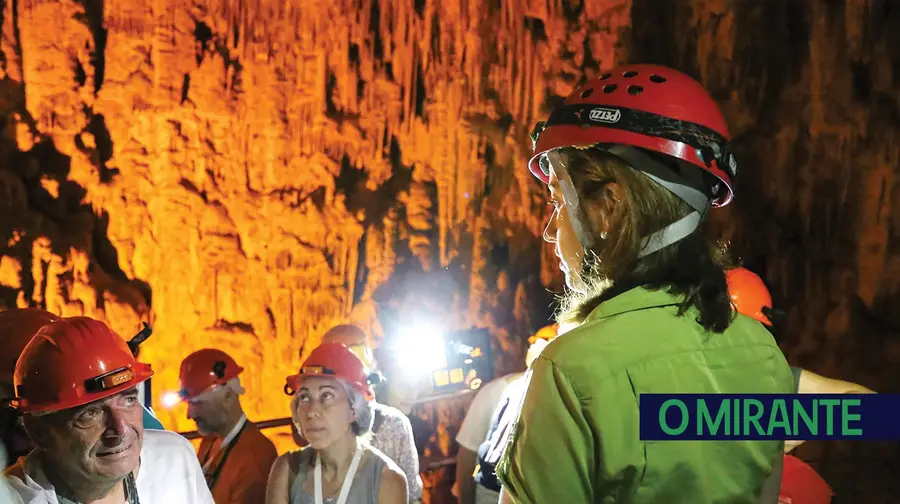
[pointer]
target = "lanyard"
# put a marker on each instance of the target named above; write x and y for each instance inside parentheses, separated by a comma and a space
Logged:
(348, 479)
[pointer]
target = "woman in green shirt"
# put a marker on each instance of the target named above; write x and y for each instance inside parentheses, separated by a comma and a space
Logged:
(634, 160)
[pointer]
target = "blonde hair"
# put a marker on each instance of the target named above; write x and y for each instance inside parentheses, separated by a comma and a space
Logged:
(691, 267)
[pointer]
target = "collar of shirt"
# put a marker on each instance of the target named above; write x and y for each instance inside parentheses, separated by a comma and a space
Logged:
(234, 431)
(634, 299)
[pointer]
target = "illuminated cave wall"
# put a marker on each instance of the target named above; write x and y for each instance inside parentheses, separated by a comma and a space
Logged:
(247, 173)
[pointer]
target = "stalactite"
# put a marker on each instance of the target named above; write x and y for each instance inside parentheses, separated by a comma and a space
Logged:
(269, 168)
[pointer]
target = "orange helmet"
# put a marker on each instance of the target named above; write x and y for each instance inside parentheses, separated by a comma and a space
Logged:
(72, 362)
(17, 327)
(355, 339)
(801, 484)
(548, 333)
(346, 334)
(334, 360)
(205, 369)
(749, 294)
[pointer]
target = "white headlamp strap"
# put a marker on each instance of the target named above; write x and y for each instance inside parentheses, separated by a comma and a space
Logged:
(570, 197)
(678, 186)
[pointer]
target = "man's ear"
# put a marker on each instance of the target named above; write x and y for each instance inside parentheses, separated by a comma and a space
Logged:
(606, 208)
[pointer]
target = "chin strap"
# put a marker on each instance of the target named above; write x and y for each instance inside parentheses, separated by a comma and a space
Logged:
(678, 186)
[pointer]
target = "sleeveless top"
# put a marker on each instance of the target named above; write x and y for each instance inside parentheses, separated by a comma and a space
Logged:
(365, 486)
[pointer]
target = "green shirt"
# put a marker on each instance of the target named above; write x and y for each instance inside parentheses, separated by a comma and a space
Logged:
(577, 437)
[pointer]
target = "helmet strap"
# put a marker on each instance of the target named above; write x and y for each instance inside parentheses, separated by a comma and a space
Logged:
(675, 184)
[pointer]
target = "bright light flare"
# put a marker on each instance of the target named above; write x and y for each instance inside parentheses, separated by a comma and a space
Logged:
(170, 399)
(420, 350)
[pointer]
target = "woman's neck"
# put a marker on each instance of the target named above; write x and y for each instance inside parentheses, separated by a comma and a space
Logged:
(337, 457)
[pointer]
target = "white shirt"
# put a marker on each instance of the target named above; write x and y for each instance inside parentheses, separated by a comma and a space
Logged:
(478, 419)
(6, 493)
(169, 474)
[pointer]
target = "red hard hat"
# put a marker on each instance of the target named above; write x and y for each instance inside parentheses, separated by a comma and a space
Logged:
(650, 107)
(801, 484)
(346, 334)
(749, 294)
(17, 327)
(335, 360)
(72, 362)
(205, 369)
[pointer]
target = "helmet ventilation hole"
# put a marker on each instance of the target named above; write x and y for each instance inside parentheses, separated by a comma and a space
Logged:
(630, 73)
(587, 92)
(635, 90)
(609, 88)
(658, 79)
(605, 76)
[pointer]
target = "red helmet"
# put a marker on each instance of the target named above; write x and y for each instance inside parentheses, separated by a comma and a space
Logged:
(17, 327)
(72, 362)
(205, 369)
(749, 294)
(650, 107)
(335, 360)
(801, 484)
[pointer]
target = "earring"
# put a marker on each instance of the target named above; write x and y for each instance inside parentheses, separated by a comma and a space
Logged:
(603, 235)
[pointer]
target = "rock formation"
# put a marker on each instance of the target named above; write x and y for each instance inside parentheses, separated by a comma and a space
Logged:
(247, 173)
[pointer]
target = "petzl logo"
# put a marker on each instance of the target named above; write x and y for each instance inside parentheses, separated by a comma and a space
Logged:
(606, 115)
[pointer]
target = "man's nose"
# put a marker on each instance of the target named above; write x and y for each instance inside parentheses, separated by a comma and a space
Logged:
(192, 411)
(116, 423)
(550, 229)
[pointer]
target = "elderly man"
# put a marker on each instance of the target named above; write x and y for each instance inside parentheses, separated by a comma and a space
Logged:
(17, 327)
(235, 456)
(392, 432)
(75, 385)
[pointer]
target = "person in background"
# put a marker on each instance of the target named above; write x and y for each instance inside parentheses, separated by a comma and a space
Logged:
(6, 492)
(392, 432)
(235, 456)
(332, 406)
(634, 160)
(487, 487)
(17, 327)
(800, 483)
(750, 297)
(472, 432)
(75, 386)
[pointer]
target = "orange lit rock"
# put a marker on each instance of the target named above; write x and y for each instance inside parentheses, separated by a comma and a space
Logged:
(246, 174)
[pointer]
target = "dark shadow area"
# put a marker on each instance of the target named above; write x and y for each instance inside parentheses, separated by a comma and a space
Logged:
(351, 182)
(103, 150)
(93, 19)
(54, 206)
(421, 92)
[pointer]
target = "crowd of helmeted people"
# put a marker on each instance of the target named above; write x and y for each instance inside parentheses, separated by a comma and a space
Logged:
(634, 160)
